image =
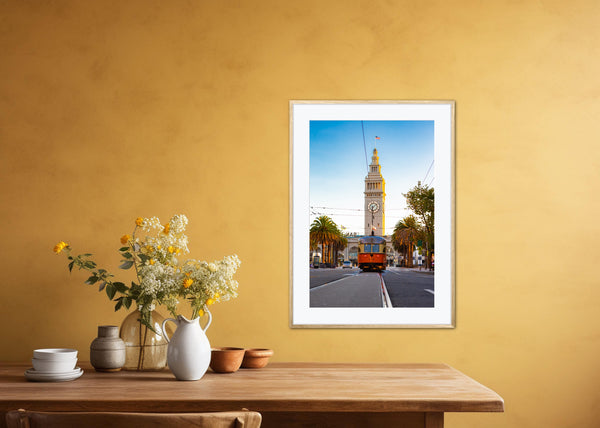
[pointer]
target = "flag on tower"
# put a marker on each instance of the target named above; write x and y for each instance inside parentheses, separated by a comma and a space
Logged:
(377, 138)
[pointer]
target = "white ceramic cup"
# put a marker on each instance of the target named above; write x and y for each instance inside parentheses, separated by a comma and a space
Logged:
(54, 366)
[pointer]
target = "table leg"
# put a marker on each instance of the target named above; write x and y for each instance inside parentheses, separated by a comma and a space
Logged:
(434, 420)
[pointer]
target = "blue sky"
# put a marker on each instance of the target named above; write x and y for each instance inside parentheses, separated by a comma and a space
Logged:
(338, 167)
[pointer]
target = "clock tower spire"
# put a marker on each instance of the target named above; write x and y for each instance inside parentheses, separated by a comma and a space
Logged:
(374, 199)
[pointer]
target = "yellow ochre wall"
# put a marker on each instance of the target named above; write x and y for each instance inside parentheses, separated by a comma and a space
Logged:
(110, 110)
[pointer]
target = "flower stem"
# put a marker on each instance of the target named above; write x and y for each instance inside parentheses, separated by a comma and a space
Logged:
(141, 354)
(135, 258)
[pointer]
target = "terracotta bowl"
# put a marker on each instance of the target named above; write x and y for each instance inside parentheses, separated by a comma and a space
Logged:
(256, 358)
(226, 360)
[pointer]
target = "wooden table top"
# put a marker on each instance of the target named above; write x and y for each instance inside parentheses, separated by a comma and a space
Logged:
(282, 387)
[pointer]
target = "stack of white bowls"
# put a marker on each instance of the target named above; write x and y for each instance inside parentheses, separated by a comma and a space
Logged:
(54, 364)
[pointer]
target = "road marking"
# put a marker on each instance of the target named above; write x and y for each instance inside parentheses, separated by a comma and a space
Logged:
(430, 291)
(328, 283)
(385, 297)
(395, 273)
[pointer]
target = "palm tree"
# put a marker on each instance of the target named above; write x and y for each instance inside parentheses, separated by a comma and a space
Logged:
(406, 233)
(340, 242)
(322, 230)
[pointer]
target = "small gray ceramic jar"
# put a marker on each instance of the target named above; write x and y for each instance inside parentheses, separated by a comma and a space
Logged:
(107, 351)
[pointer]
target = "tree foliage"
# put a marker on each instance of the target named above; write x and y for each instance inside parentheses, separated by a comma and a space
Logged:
(421, 201)
(407, 234)
(324, 231)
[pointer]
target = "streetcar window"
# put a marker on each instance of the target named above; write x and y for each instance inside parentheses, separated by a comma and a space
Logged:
(375, 248)
(367, 248)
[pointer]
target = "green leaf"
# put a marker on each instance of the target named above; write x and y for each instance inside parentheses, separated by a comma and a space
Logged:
(110, 291)
(89, 264)
(135, 291)
(118, 305)
(127, 302)
(124, 249)
(126, 264)
(92, 280)
(102, 286)
(127, 255)
(71, 266)
(120, 287)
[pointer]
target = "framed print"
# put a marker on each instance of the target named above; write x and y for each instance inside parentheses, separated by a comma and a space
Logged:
(372, 214)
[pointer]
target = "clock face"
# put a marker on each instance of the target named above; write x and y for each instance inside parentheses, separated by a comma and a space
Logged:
(373, 207)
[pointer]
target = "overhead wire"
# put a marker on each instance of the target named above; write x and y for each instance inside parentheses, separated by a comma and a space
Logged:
(428, 171)
(362, 124)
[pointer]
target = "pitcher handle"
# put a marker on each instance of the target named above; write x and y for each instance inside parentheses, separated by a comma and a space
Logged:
(164, 332)
(209, 320)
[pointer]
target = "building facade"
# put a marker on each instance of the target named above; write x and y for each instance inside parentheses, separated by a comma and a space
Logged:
(374, 199)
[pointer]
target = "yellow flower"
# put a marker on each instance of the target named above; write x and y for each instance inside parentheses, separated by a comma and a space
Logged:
(210, 302)
(187, 282)
(139, 221)
(158, 247)
(167, 228)
(216, 296)
(152, 261)
(125, 239)
(60, 246)
(200, 313)
(171, 249)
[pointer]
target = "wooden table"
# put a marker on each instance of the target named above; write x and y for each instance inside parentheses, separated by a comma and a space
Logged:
(286, 394)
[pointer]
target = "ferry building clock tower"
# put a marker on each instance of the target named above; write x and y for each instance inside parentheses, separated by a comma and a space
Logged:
(374, 199)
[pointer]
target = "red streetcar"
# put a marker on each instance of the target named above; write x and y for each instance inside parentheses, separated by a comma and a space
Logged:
(371, 253)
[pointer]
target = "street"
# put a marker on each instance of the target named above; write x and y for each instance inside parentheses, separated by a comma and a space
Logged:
(395, 287)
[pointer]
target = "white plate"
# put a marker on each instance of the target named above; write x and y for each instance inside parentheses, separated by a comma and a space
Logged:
(38, 376)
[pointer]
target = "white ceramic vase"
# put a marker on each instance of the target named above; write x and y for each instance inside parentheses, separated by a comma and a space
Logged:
(188, 353)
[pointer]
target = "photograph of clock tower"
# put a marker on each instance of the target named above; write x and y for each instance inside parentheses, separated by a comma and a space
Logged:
(371, 245)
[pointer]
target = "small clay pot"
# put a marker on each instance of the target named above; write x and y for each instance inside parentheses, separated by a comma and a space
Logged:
(256, 358)
(226, 360)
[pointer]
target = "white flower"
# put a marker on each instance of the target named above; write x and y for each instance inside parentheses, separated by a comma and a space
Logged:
(163, 280)
(178, 223)
(151, 223)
